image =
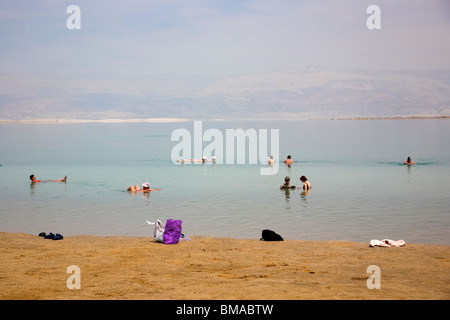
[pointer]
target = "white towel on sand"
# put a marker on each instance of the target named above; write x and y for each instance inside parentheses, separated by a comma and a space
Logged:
(387, 243)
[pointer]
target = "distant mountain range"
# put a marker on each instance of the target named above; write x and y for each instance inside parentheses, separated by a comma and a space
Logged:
(295, 93)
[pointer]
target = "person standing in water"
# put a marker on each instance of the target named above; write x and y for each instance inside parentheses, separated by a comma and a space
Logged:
(287, 184)
(271, 161)
(289, 161)
(306, 183)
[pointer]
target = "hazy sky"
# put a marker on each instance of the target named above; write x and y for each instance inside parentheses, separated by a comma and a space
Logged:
(222, 37)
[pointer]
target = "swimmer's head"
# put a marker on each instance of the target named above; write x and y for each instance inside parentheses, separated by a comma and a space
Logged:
(32, 177)
(303, 178)
(287, 178)
(146, 185)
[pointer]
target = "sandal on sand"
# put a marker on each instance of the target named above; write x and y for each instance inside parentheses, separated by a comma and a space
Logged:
(49, 236)
(58, 237)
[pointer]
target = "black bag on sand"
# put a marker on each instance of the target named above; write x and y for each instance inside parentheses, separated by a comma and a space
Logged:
(269, 235)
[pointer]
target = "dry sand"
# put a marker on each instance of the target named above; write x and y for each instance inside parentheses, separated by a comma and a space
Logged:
(208, 268)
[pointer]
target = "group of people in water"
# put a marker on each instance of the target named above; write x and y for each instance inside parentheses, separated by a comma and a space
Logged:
(287, 184)
(287, 180)
(136, 188)
(202, 160)
(306, 185)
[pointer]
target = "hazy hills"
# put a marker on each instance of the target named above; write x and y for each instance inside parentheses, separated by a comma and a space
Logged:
(296, 93)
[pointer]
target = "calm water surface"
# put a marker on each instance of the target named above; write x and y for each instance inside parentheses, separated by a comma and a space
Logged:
(361, 190)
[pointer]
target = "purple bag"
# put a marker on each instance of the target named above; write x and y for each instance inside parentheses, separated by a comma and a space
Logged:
(172, 231)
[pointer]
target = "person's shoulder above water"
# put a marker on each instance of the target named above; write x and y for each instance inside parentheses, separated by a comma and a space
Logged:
(289, 160)
(287, 184)
(306, 183)
(33, 179)
(409, 161)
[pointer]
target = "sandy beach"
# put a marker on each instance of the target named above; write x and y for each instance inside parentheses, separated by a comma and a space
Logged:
(208, 268)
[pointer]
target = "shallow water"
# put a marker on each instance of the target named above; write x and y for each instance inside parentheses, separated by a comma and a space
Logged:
(361, 190)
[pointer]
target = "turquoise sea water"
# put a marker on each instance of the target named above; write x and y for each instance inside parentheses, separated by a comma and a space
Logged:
(361, 190)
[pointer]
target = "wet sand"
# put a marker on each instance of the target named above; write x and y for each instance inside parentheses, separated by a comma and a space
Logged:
(208, 268)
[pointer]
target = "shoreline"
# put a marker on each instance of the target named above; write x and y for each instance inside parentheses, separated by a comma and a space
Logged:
(213, 268)
(74, 121)
(174, 120)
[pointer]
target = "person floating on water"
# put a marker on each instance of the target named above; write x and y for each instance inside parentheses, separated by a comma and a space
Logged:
(306, 183)
(202, 160)
(289, 161)
(287, 184)
(34, 180)
(409, 161)
(145, 185)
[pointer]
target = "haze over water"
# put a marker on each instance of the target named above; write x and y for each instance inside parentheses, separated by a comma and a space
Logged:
(360, 188)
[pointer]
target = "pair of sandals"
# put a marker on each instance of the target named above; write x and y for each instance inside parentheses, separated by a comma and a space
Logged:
(51, 236)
